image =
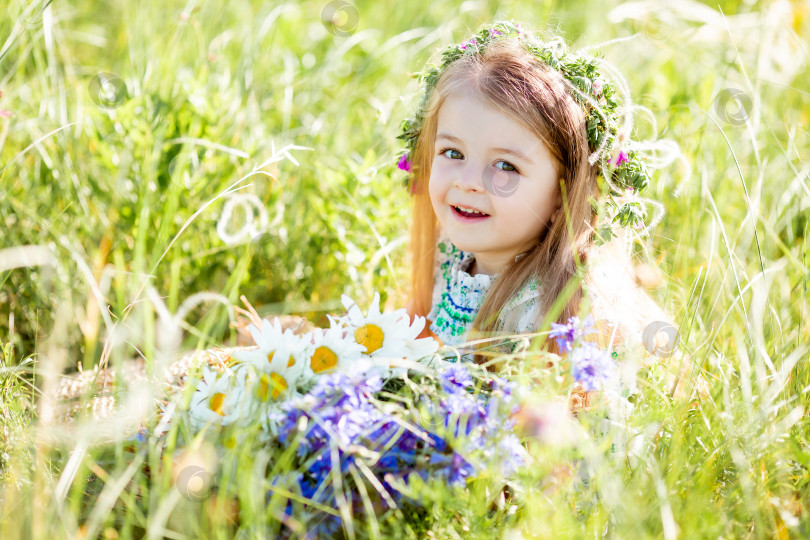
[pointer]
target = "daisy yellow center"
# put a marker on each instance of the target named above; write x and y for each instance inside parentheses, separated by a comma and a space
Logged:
(216, 402)
(290, 362)
(322, 359)
(371, 336)
(271, 385)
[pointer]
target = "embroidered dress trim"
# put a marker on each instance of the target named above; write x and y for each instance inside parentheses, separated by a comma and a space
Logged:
(457, 296)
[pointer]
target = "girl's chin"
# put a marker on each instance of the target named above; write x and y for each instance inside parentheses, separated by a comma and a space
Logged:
(465, 243)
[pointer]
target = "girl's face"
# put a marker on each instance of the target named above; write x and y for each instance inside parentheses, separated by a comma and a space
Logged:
(484, 160)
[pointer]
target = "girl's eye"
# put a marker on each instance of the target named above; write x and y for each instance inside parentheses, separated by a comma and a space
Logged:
(449, 150)
(511, 168)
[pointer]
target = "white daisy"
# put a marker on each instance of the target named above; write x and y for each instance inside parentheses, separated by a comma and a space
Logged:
(382, 334)
(332, 350)
(279, 360)
(388, 335)
(265, 392)
(419, 349)
(218, 398)
(270, 334)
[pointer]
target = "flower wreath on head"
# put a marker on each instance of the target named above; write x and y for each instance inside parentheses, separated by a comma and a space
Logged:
(623, 166)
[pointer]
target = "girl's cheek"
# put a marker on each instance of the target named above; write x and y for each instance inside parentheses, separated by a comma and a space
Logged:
(433, 191)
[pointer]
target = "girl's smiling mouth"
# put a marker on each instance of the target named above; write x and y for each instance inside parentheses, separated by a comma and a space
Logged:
(464, 213)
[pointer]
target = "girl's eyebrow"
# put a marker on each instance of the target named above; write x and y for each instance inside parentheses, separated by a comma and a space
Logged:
(510, 151)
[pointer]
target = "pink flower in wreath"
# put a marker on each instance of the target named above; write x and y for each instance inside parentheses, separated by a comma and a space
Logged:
(465, 43)
(621, 157)
(404, 164)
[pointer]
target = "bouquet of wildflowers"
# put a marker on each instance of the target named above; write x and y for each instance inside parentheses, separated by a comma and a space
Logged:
(353, 415)
(365, 425)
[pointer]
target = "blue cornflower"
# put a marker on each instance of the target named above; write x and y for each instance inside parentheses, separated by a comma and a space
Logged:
(512, 454)
(456, 378)
(342, 408)
(568, 334)
(592, 366)
(455, 468)
(502, 385)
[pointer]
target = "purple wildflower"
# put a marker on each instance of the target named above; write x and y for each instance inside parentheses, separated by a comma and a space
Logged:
(404, 164)
(568, 334)
(455, 378)
(454, 468)
(592, 367)
(502, 385)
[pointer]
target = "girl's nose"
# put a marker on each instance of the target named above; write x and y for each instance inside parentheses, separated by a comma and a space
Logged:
(470, 178)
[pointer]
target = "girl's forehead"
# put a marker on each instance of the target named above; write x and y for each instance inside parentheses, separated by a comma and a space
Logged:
(469, 113)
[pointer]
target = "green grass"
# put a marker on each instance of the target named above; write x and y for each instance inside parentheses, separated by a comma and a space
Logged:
(128, 200)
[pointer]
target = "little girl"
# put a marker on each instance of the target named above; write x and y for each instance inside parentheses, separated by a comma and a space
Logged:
(518, 148)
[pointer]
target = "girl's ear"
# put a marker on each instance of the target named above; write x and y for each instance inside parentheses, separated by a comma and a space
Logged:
(557, 208)
(556, 213)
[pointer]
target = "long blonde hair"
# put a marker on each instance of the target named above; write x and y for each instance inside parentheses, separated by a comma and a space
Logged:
(513, 80)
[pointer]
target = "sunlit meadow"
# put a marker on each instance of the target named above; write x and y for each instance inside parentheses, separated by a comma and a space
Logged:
(160, 160)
